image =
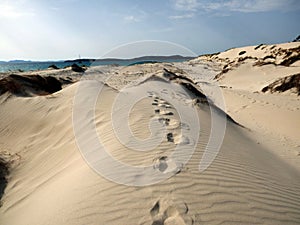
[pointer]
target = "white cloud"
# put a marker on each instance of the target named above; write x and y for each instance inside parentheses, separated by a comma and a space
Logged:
(9, 11)
(137, 16)
(253, 5)
(246, 6)
(131, 19)
(184, 16)
(186, 5)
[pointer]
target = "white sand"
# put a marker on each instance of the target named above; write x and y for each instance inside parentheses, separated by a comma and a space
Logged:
(254, 179)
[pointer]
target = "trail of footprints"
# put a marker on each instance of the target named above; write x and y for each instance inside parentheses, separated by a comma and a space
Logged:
(166, 117)
(164, 111)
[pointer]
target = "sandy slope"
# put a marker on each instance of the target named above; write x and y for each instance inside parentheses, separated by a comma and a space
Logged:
(247, 183)
(272, 118)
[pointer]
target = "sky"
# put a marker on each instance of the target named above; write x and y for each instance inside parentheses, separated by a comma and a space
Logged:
(65, 29)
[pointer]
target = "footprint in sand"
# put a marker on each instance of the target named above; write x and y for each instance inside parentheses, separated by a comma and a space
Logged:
(163, 112)
(157, 111)
(169, 216)
(161, 101)
(166, 165)
(165, 105)
(161, 164)
(172, 217)
(178, 139)
(167, 113)
(165, 91)
(164, 121)
(152, 94)
(182, 140)
(170, 137)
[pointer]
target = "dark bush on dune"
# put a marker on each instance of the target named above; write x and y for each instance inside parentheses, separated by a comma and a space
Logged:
(269, 57)
(297, 39)
(289, 61)
(290, 56)
(258, 46)
(284, 84)
(28, 85)
(53, 67)
(77, 68)
(263, 63)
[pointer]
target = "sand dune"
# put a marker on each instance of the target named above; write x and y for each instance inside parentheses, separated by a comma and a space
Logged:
(52, 180)
(244, 78)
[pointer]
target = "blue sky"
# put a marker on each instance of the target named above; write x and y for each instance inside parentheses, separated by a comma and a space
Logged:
(63, 29)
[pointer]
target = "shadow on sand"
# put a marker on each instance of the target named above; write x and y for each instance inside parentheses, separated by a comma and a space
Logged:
(3, 175)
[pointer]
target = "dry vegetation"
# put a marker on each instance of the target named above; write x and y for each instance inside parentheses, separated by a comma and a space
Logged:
(284, 84)
(28, 85)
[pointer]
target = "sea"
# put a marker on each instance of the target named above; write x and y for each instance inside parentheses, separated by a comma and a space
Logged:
(22, 66)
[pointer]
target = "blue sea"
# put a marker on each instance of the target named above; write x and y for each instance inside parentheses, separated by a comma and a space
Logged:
(34, 66)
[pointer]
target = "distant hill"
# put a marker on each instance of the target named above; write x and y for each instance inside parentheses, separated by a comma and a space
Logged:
(79, 61)
(150, 58)
(87, 61)
(142, 58)
(172, 57)
(19, 61)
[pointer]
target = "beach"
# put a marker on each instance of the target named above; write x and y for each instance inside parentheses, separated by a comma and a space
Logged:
(212, 140)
